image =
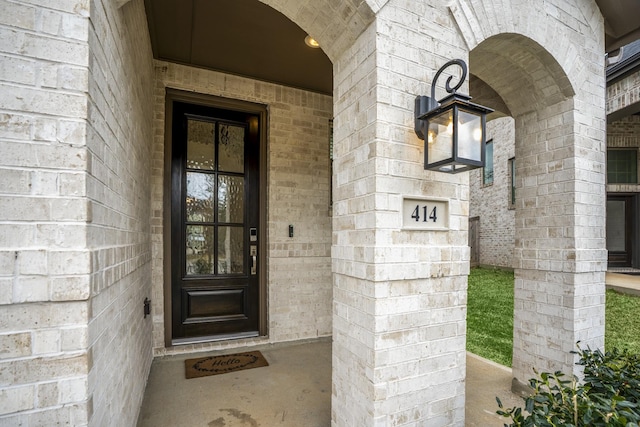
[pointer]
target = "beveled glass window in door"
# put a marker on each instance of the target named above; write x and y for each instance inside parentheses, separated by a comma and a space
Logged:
(214, 198)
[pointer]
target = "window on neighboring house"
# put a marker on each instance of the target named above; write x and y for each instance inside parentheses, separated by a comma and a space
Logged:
(487, 171)
(622, 166)
(512, 183)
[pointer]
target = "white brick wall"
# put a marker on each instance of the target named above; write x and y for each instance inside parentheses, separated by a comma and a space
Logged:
(44, 268)
(299, 268)
(76, 248)
(119, 138)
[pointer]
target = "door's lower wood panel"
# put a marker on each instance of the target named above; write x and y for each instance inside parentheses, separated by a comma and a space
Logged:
(214, 305)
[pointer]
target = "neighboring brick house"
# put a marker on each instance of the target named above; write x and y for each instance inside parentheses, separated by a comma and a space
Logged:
(623, 143)
(493, 190)
(491, 205)
(126, 232)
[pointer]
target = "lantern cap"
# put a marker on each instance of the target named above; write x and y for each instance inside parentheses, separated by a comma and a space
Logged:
(458, 99)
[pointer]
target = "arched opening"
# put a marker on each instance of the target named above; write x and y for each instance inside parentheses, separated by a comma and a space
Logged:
(523, 74)
(539, 161)
(260, 66)
(255, 52)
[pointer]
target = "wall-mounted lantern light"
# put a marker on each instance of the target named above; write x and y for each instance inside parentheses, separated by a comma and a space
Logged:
(453, 129)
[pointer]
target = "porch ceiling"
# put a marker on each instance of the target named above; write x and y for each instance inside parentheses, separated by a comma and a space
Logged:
(241, 37)
(249, 38)
(621, 22)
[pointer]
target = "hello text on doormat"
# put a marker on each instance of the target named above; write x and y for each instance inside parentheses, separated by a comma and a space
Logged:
(214, 365)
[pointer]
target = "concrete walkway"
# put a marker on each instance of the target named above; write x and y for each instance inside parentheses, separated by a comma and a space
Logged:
(295, 389)
(623, 283)
(487, 380)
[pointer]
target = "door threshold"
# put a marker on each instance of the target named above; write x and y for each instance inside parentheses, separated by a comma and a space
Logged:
(214, 338)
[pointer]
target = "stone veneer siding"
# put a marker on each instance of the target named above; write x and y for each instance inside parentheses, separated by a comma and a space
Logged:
(299, 285)
(491, 202)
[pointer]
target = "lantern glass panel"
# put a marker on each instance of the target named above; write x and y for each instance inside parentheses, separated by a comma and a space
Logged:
(440, 137)
(469, 136)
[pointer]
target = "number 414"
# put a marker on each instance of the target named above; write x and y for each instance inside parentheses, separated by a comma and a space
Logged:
(425, 218)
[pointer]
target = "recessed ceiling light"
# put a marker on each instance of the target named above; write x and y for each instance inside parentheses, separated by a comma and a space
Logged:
(311, 42)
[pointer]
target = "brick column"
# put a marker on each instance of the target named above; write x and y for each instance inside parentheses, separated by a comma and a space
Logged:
(560, 260)
(399, 294)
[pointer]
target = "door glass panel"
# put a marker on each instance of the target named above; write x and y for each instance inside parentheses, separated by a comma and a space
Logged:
(231, 148)
(230, 198)
(199, 250)
(616, 210)
(200, 191)
(200, 147)
(230, 250)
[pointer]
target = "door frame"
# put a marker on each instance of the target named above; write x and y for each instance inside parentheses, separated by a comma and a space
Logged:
(630, 232)
(260, 110)
(474, 256)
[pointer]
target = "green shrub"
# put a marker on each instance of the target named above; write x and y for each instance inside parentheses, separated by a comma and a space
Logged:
(609, 395)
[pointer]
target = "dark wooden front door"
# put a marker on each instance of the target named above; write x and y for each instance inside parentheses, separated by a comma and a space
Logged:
(214, 223)
(620, 230)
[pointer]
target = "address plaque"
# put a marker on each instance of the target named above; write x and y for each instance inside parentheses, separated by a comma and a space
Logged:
(425, 214)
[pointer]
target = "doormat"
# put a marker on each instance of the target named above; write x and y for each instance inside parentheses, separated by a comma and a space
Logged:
(214, 365)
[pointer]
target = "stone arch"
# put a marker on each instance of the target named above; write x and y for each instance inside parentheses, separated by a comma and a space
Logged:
(539, 68)
(566, 32)
(524, 73)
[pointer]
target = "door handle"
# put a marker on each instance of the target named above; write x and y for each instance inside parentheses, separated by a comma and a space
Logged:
(253, 251)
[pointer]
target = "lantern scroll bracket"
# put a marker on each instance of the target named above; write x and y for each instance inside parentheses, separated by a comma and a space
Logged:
(448, 87)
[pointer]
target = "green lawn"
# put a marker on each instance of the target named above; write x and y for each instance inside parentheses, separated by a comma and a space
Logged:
(490, 317)
(490, 314)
